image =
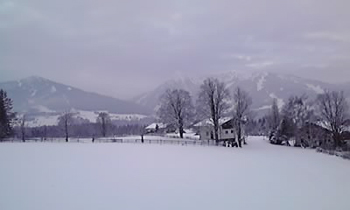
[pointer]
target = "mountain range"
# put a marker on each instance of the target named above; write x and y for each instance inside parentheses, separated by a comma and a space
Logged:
(37, 94)
(44, 100)
(263, 87)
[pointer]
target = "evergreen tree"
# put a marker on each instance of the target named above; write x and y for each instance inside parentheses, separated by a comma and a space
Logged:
(274, 117)
(6, 115)
(295, 114)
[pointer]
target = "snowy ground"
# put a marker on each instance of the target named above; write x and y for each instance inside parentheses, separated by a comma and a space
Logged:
(67, 176)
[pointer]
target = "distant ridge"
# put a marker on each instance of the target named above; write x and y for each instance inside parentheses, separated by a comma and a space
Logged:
(262, 86)
(37, 94)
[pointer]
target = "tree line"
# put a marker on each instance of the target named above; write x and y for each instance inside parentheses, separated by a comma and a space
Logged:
(305, 120)
(69, 125)
(298, 119)
(76, 130)
(294, 120)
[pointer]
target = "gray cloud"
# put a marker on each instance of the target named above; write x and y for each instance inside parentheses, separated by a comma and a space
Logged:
(122, 48)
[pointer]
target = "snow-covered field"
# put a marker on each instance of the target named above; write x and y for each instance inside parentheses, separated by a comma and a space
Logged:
(67, 176)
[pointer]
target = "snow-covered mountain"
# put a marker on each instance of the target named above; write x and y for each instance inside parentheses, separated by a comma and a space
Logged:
(262, 87)
(44, 100)
(36, 94)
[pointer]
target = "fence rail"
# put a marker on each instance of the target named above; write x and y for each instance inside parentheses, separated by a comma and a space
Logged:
(163, 141)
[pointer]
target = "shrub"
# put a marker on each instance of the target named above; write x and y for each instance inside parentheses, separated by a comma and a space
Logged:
(346, 155)
(319, 149)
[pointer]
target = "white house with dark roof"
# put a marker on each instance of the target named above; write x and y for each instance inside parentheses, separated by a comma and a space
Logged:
(205, 129)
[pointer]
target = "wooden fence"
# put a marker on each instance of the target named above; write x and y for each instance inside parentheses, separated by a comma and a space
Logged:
(165, 141)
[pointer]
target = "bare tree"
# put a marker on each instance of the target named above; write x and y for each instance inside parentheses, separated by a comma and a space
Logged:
(23, 127)
(242, 103)
(142, 132)
(66, 120)
(212, 102)
(176, 109)
(334, 111)
(104, 121)
(44, 133)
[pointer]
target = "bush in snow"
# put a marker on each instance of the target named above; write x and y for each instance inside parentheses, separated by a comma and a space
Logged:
(331, 152)
(346, 155)
(319, 149)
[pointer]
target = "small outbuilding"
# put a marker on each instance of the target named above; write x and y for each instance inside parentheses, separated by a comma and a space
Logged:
(156, 128)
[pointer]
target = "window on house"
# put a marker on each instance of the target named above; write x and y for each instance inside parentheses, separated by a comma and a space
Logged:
(207, 133)
(226, 132)
(231, 131)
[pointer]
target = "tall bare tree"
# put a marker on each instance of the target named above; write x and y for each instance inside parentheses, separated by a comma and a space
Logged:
(241, 109)
(44, 133)
(334, 111)
(104, 121)
(23, 127)
(212, 102)
(66, 120)
(142, 131)
(176, 109)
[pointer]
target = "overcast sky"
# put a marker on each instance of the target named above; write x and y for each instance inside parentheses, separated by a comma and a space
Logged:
(125, 47)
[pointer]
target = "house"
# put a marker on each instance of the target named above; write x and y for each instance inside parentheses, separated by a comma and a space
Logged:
(156, 128)
(311, 134)
(315, 134)
(205, 129)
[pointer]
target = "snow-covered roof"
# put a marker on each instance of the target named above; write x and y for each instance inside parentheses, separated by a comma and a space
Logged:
(189, 131)
(209, 122)
(326, 126)
(154, 125)
(323, 125)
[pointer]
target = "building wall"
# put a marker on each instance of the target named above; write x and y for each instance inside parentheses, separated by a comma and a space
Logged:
(227, 134)
(207, 133)
(315, 136)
